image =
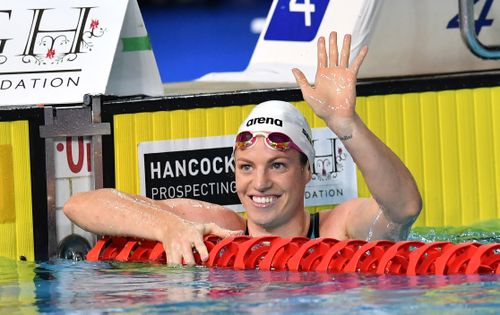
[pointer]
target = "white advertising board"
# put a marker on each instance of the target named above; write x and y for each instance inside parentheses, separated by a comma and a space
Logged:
(423, 37)
(56, 51)
(405, 38)
(291, 32)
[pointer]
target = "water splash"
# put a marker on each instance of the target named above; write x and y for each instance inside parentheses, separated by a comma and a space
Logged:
(370, 232)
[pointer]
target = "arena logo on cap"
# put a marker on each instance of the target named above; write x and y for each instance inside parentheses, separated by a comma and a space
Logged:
(265, 120)
(292, 21)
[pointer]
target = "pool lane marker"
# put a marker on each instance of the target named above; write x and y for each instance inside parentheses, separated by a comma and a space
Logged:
(322, 255)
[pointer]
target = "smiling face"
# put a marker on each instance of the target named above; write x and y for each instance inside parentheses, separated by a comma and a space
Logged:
(270, 185)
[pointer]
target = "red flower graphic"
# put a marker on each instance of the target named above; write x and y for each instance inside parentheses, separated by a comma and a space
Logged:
(94, 24)
(50, 53)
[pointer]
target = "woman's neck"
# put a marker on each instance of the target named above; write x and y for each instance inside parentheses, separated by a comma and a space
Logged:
(297, 226)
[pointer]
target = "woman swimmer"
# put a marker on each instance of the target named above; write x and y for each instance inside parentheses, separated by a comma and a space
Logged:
(273, 155)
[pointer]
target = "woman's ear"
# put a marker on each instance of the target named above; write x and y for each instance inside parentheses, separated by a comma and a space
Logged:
(307, 172)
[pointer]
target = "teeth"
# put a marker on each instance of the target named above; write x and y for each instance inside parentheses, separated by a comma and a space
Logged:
(263, 199)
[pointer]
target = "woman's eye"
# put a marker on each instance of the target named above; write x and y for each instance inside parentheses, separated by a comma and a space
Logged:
(245, 167)
(278, 165)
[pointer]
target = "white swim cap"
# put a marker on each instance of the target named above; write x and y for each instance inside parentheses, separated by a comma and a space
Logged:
(280, 116)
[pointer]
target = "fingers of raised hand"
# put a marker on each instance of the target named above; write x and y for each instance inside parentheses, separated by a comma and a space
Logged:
(333, 51)
(332, 60)
(322, 57)
(359, 59)
(301, 79)
(346, 49)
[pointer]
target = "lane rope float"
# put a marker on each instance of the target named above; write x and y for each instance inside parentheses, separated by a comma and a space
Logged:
(321, 254)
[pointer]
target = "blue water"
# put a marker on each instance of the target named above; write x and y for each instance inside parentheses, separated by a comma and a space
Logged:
(81, 287)
(61, 286)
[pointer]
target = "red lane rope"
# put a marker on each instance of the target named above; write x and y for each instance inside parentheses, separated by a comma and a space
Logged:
(322, 254)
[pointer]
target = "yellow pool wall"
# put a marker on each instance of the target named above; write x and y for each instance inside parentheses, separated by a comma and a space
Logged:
(450, 141)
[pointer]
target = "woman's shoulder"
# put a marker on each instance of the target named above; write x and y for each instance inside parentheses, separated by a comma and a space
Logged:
(333, 222)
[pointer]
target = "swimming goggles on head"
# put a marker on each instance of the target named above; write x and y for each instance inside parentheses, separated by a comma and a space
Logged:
(274, 140)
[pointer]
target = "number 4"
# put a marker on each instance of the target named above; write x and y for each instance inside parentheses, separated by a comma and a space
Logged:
(480, 22)
(305, 7)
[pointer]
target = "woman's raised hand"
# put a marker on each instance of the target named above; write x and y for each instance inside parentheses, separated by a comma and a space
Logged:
(333, 96)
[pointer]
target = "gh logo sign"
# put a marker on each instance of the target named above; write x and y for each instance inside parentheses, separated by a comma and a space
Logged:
(3, 41)
(327, 166)
(53, 46)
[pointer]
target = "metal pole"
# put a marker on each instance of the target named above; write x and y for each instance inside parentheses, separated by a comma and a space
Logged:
(97, 143)
(51, 186)
(69, 122)
(468, 32)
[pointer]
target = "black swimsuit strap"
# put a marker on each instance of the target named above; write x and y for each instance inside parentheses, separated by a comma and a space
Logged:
(313, 231)
(313, 226)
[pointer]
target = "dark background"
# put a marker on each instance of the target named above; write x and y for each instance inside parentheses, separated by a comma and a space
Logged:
(191, 179)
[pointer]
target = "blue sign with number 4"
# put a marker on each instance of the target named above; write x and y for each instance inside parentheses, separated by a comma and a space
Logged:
(296, 21)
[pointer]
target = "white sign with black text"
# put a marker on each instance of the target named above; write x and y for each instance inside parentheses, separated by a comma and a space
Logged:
(334, 172)
(197, 168)
(203, 169)
(56, 51)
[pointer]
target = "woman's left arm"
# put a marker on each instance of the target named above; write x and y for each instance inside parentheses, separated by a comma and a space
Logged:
(395, 202)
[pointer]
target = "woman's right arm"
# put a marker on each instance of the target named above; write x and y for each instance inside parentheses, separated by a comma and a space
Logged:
(179, 224)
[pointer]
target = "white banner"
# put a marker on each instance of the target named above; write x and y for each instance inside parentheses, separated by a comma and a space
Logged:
(334, 172)
(56, 51)
(423, 37)
(291, 32)
(196, 168)
(405, 38)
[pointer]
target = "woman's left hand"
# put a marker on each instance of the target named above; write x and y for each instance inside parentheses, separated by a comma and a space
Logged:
(333, 97)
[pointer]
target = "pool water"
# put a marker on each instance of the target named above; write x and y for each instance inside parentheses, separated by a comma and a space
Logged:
(62, 286)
